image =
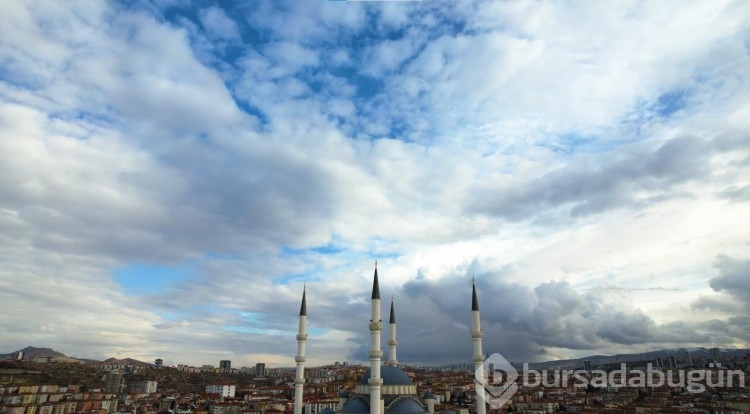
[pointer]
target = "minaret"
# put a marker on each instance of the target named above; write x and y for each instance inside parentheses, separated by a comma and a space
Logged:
(429, 399)
(392, 342)
(476, 337)
(299, 379)
(376, 325)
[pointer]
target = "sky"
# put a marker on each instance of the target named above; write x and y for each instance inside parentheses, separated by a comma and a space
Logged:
(173, 173)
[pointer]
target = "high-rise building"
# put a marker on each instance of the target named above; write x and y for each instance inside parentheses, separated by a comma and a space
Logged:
(225, 365)
(159, 362)
(587, 365)
(260, 370)
(144, 387)
(672, 362)
(168, 403)
(689, 359)
(114, 382)
(223, 389)
(715, 355)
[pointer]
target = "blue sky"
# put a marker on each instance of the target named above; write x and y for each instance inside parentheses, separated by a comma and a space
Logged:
(172, 173)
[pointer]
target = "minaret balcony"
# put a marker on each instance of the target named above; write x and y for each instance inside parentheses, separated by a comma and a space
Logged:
(375, 382)
(300, 359)
(376, 326)
(376, 354)
(476, 334)
(302, 338)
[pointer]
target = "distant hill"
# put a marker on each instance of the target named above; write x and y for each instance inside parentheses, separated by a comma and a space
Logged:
(31, 351)
(126, 361)
(650, 355)
(577, 363)
(41, 352)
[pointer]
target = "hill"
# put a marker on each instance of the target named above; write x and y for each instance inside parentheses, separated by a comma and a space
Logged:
(577, 363)
(31, 352)
(41, 352)
(125, 361)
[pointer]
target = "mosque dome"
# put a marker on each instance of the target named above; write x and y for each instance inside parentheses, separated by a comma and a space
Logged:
(391, 375)
(356, 405)
(406, 406)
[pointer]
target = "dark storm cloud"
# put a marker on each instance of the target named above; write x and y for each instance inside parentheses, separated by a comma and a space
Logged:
(521, 322)
(733, 279)
(732, 286)
(612, 181)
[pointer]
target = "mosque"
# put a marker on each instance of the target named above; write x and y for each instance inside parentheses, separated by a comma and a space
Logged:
(383, 389)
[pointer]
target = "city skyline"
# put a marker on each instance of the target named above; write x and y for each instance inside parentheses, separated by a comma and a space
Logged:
(682, 356)
(173, 174)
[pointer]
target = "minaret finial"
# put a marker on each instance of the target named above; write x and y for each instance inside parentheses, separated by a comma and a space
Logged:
(303, 307)
(375, 284)
(393, 313)
(474, 301)
(392, 342)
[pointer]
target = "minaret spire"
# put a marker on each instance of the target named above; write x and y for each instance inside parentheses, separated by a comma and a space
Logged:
(478, 358)
(299, 379)
(393, 314)
(474, 301)
(375, 284)
(392, 342)
(376, 326)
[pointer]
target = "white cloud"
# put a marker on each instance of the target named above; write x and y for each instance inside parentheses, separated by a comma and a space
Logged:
(389, 55)
(292, 55)
(218, 24)
(524, 143)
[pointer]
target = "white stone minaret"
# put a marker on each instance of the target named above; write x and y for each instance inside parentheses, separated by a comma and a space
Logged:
(376, 325)
(429, 399)
(392, 342)
(476, 337)
(299, 379)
